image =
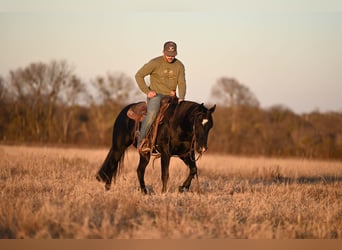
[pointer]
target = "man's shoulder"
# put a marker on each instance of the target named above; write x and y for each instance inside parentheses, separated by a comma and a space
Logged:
(157, 59)
(179, 63)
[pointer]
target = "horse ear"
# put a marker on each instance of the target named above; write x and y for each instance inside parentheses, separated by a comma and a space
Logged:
(212, 109)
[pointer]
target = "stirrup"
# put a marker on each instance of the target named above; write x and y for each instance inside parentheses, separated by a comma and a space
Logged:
(144, 147)
(145, 150)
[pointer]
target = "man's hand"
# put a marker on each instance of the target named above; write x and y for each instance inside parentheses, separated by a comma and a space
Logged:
(180, 100)
(151, 94)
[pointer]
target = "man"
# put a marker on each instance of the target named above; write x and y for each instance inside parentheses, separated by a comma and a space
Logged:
(166, 74)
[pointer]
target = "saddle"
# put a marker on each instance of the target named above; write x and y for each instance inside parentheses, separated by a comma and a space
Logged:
(138, 111)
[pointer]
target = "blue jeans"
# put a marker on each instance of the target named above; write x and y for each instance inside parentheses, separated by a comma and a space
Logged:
(153, 106)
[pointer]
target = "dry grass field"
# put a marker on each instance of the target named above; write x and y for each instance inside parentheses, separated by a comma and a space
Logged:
(52, 193)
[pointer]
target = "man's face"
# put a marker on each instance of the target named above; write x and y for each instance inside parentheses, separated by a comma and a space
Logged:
(169, 59)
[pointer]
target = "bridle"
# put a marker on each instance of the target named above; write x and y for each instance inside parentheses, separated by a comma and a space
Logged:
(193, 148)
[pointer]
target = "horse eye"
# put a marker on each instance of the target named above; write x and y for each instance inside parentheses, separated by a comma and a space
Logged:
(204, 121)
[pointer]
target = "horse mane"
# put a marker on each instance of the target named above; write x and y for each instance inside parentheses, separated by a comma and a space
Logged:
(183, 111)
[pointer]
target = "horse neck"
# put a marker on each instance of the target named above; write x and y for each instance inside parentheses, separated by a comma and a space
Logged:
(184, 113)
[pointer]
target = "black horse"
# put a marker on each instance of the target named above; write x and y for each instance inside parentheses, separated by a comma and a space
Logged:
(184, 129)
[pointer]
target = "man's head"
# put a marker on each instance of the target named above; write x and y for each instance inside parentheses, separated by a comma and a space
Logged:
(170, 51)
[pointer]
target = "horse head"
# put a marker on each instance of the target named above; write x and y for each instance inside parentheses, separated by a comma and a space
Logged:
(202, 125)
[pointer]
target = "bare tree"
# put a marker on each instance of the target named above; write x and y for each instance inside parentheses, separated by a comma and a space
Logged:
(116, 88)
(111, 93)
(230, 93)
(30, 91)
(4, 108)
(38, 89)
(3, 90)
(71, 93)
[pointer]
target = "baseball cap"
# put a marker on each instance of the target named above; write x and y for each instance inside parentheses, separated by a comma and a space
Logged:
(170, 48)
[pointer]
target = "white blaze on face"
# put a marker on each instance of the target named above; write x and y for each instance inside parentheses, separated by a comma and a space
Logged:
(204, 121)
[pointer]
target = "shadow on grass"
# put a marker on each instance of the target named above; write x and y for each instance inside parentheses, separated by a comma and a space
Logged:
(325, 179)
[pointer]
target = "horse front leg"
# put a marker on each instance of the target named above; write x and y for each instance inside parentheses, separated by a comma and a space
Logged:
(165, 163)
(141, 172)
(193, 171)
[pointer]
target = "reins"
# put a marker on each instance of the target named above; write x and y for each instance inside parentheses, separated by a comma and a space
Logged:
(192, 147)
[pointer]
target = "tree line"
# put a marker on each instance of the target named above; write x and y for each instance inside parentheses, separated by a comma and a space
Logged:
(48, 103)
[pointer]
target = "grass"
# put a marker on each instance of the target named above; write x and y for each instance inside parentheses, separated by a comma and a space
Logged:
(50, 192)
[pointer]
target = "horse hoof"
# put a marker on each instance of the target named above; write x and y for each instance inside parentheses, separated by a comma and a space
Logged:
(182, 189)
(144, 191)
(147, 190)
(98, 177)
(107, 187)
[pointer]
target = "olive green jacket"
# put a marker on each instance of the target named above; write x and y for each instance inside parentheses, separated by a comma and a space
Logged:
(164, 77)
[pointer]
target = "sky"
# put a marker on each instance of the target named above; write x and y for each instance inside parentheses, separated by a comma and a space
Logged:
(287, 52)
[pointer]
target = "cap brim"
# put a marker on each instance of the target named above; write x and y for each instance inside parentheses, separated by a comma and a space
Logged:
(169, 53)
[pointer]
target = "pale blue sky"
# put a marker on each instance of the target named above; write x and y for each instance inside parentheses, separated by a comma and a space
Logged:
(286, 52)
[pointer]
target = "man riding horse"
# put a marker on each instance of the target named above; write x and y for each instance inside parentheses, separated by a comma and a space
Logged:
(183, 126)
(166, 74)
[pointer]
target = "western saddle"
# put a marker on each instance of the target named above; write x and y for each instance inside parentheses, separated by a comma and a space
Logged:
(137, 113)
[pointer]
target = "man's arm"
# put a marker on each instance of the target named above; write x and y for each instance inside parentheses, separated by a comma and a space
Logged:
(141, 74)
(181, 84)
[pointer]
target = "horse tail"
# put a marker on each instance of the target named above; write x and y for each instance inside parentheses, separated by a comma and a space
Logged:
(115, 158)
(111, 166)
(120, 165)
(101, 174)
